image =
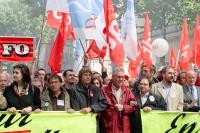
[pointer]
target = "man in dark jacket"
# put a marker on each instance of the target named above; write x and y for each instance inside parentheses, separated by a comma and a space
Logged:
(146, 101)
(86, 97)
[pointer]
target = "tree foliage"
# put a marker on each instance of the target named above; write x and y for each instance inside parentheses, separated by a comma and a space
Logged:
(168, 12)
(22, 18)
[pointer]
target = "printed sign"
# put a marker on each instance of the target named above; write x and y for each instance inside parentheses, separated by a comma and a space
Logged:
(47, 122)
(170, 122)
(16, 49)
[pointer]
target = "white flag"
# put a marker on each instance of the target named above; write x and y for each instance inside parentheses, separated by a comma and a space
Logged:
(128, 32)
(58, 5)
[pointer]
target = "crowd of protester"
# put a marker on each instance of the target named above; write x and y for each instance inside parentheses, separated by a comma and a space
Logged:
(116, 98)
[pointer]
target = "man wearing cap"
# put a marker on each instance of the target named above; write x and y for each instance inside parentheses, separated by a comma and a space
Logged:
(159, 74)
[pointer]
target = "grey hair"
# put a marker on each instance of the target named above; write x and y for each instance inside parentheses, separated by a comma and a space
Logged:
(117, 69)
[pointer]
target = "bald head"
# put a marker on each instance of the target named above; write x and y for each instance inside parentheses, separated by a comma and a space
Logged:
(4, 80)
(191, 77)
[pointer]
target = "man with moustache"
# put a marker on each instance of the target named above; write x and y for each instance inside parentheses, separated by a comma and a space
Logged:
(170, 91)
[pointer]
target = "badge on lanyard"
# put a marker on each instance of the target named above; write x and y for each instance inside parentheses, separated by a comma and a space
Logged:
(60, 102)
(46, 104)
(151, 98)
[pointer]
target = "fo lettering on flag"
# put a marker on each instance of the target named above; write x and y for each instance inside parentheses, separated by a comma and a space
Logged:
(16, 49)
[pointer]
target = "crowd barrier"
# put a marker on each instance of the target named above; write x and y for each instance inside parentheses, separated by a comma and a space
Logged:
(62, 122)
(47, 122)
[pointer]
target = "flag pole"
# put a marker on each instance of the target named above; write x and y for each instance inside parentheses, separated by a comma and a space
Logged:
(82, 46)
(177, 58)
(37, 51)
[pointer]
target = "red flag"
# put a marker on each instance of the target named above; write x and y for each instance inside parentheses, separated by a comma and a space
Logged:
(134, 65)
(146, 42)
(55, 60)
(184, 48)
(133, 69)
(173, 59)
(112, 34)
(94, 52)
(54, 20)
(196, 43)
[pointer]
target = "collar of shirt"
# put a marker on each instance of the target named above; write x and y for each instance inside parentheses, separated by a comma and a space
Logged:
(117, 92)
(145, 95)
(166, 87)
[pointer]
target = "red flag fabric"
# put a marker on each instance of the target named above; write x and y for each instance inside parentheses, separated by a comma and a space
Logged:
(196, 43)
(184, 48)
(55, 60)
(112, 34)
(139, 54)
(133, 69)
(146, 43)
(173, 59)
(134, 65)
(94, 52)
(54, 20)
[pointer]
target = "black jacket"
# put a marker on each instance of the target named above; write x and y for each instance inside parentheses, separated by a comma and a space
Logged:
(154, 101)
(83, 97)
(20, 102)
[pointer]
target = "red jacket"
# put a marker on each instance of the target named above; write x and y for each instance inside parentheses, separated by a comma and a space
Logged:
(114, 121)
(198, 81)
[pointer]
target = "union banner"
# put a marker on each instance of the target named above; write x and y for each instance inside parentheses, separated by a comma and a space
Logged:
(170, 122)
(47, 122)
(16, 49)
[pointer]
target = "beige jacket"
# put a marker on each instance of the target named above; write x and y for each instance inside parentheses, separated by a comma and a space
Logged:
(175, 96)
(3, 102)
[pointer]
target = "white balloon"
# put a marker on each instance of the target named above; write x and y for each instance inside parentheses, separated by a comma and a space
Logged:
(160, 47)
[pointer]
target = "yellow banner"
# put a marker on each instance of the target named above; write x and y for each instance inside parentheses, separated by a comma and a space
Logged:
(170, 122)
(47, 122)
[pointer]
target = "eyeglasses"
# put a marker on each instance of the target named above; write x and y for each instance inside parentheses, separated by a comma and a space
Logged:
(96, 83)
(54, 82)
